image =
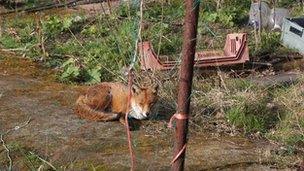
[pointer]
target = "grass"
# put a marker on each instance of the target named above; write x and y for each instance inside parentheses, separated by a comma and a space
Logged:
(75, 50)
(75, 43)
(28, 159)
(107, 39)
(93, 49)
(290, 130)
(253, 116)
(9, 42)
(274, 112)
(270, 43)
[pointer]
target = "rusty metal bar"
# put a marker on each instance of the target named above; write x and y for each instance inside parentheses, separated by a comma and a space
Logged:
(185, 80)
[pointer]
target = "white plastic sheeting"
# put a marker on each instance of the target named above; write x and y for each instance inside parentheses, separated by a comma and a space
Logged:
(271, 18)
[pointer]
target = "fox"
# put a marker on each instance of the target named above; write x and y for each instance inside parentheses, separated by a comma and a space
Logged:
(108, 101)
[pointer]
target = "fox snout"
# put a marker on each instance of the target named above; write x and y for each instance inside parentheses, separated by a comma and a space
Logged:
(146, 114)
(139, 112)
(142, 101)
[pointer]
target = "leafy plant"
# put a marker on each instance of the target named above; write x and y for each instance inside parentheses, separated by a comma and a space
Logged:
(52, 26)
(270, 42)
(231, 14)
(70, 70)
(55, 25)
(93, 75)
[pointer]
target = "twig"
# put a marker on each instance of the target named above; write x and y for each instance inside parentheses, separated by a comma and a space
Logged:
(222, 81)
(218, 4)
(13, 50)
(48, 163)
(18, 126)
(4, 144)
(41, 38)
(110, 7)
(161, 28)
(7, 152)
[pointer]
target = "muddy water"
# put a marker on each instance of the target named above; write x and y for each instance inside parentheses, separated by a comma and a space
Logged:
(54, 133)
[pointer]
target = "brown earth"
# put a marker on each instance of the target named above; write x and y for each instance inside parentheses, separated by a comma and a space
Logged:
(56, 135)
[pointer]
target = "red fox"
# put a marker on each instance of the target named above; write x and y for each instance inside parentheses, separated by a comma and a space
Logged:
(108, 101)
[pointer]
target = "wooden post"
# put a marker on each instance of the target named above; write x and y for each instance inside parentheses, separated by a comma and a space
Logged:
(185, 81)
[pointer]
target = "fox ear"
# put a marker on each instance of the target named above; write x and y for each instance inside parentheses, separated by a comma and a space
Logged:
(135, 89)
(155, 88)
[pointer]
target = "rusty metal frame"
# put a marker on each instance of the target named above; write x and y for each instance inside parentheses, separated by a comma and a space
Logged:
(235, 52)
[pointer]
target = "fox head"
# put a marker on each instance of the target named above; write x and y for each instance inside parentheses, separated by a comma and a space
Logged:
(143, 99)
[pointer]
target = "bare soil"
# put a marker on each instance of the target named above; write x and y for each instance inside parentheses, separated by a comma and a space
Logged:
(56, 135)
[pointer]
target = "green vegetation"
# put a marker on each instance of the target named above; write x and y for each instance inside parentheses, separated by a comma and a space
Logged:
(91, 49)
(290, 130)
(270, 43)
(252, 116)
(275, 112)
(30, 160)
(82, 52)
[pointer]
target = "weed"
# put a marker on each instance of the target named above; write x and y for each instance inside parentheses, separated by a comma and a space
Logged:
(270, 42)
(232, 13)
(91, 50)
(239, 117)
(286, 3)
(253, 114)
(70, 70)
(9, 42)
(297, 10)
(290, 130)
(29, 159)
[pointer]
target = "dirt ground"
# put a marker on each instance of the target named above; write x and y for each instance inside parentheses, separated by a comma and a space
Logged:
(54, 134)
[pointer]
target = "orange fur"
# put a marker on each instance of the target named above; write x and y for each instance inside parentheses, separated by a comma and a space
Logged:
(108, 101)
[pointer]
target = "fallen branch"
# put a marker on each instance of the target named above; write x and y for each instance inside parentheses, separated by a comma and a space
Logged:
(4, 144)
(14, 50)
(44, 161)
(7, 153)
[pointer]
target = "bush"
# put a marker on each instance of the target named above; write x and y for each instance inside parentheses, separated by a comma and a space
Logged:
(232, 13)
